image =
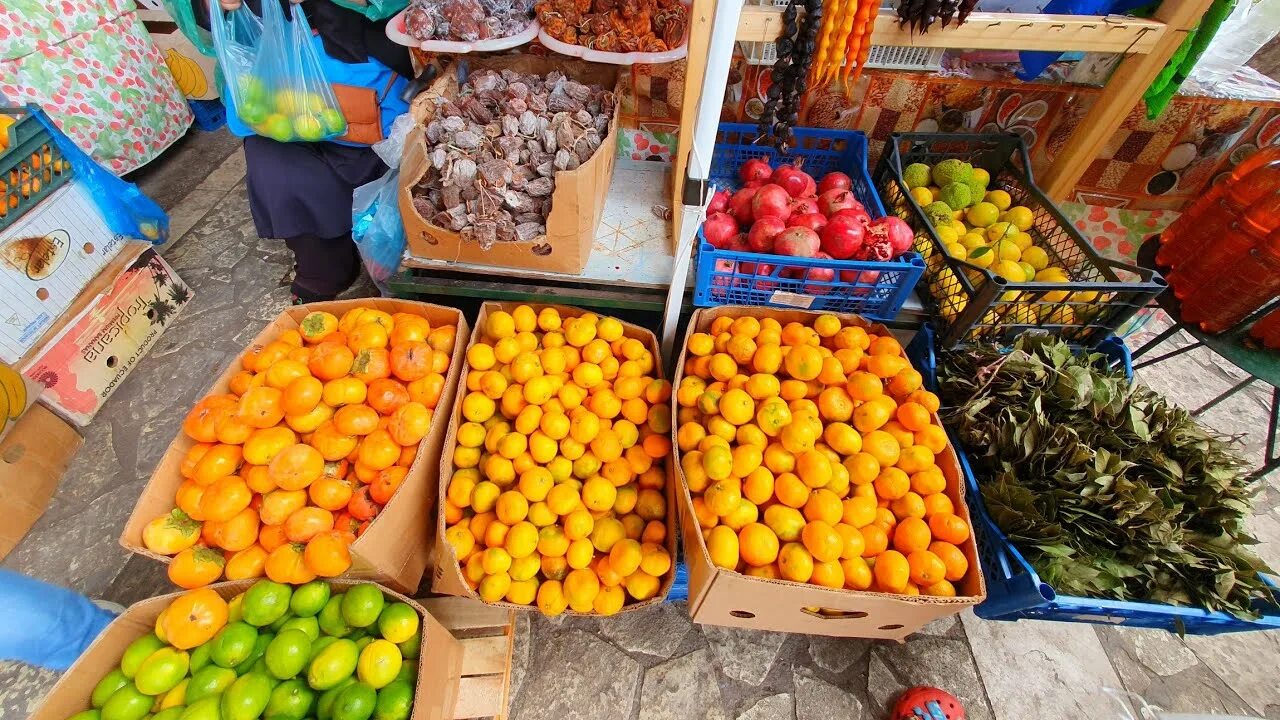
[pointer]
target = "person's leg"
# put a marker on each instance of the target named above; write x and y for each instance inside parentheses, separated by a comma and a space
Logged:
(323, 267)
(45, 625)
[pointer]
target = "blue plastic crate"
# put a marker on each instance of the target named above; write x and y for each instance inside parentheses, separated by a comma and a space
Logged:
(1015, 591)
(210, 114)
(872, 289)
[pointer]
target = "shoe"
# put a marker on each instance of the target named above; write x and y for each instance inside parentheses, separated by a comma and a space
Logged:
(112, 607)
(927, 703)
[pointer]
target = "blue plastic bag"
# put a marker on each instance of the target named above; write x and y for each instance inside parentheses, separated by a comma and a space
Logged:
(1034, 62)
(46, 625)
(123, 206)
(376, 226)
(299, 104)
(236, 35)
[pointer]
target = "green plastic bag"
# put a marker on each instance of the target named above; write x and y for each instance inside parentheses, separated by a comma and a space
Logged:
(185, 17)
(374, 9)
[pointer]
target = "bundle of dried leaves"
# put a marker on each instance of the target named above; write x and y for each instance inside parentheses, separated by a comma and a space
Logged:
(494, 151)
(467, 20)
(1107, 489)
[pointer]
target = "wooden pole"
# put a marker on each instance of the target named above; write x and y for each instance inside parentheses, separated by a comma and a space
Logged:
(700, 16)
(1132, 78)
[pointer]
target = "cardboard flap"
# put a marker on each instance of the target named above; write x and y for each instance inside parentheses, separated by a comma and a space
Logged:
(33, 458)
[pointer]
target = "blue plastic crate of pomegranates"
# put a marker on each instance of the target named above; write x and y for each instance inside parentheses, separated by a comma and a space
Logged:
(785, 262)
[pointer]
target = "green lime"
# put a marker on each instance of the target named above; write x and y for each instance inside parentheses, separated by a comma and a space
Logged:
(362, 604)
(259, 649)
(309, 599)
(235, 608)
(331, 621)
(363, 642)
(355, 702)
(320, 644)
(398, 622)
(246, 698)
(280, 621)
(308, 625)
(172, 713)
(324, 706)
(265, 602)
(200, 656)
(291, 700)
(127, 703)
(408, 673)
(209, 680)
(333, 664)
(87, 715)
(177, 695)
(138, 651)
(411, 647)
(203, 709)
(395, 701)
(260, 668)
(379, 664)
(287, 654)
(163, 670)
(110, 683)
(233, 644)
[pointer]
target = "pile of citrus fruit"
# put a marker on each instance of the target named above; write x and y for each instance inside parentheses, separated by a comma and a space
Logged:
(312, 438)
(558, 491)
(272, 652)
(809, 451)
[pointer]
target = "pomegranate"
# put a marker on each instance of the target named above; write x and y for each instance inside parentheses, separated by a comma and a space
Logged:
(738, 243)
(866, 278)
(813, 221)
(898, 232)
(740, 205)
(835, 181)
(719, 202)
(804, 206)
(751, 268)
(810, 187)
(819, 274)
(755, 170)
(755, 183)
(833, 201)
(760, 237)
(792, 179)
(719, 229)
(797, 242)
(860, 213)
(771, 201)
(843, 236)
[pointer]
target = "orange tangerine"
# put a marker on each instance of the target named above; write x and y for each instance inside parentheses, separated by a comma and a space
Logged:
(932, 437)
(863, 468)
(949, 527)
(937, 504)
(925, 398)
(757, 544)
(926, 568)
(835, 405)
(892, 571)
(952, 557)
(910, 535)
(869, 416)
(814, 468)
(803, 362)
(874, 540)
(858, 512)
(910, 505)
(882, 446)
(823, 505)
(795, 562)
(915, 459)
(822, 541)
(913, 416)
(892, 483)
(790, 490)
(905, 382)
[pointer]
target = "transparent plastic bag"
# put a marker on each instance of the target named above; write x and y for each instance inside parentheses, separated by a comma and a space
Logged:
(376, 227)
(126, 210)
(236, 37)
(288, 98)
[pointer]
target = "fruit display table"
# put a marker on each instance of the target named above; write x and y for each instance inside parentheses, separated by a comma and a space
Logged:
(1262, 365)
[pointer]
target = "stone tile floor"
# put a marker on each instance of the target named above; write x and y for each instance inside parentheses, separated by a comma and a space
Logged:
(649, 665)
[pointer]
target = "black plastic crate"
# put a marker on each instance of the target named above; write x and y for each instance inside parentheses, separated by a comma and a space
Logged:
(31, 166)
(972, 304)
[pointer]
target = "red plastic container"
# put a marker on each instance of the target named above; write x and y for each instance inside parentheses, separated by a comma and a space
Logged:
(1252, 179)
(1218, 253)
(1254, 280)
(1267, 330)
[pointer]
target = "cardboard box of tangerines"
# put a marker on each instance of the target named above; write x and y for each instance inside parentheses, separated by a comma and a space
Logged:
(820, 494)
(313, 453)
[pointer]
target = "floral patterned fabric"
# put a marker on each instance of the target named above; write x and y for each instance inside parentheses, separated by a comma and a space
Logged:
(108, 89)
(28, 25)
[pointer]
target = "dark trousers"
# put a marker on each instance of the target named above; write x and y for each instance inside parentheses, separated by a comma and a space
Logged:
(323, 267)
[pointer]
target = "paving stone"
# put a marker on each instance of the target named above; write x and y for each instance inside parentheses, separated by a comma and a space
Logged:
(1159, 652)
(658, 630)
(837, 654)
(774, 707)
(22, 687)
(1194, 690)
(817, 699)
(680, 689)
(1041, 670)
(744, 655)
(944, 627)
(579, 677)
(1246, 662)
(943, 663)
(519, 652)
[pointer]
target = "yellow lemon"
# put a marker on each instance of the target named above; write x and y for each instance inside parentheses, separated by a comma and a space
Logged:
(999, 198)
(1020, 217)
(983, 214)
(1010, 271)
(922, 196)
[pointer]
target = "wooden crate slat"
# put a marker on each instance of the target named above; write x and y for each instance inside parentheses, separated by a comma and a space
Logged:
(486, 655)
(458, 613)
(481, 696)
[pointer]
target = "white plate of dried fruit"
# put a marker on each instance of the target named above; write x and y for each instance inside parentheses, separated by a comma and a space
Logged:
(616, 32)
(425, 26)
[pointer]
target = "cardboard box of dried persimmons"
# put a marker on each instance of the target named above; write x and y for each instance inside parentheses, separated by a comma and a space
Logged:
(394, 548)
(588, 526)
(439, 655)
(804, 507)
